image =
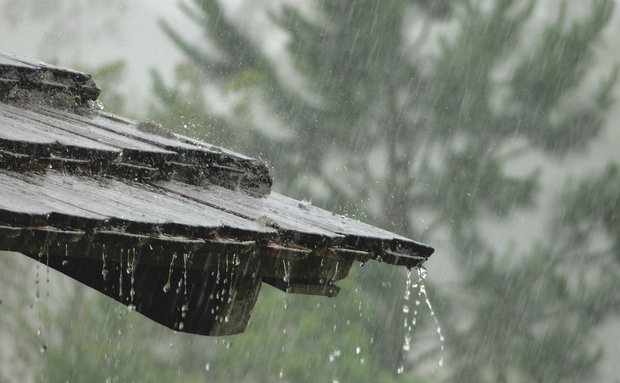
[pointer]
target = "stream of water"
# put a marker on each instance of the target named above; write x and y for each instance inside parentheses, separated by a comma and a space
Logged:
(412, 311)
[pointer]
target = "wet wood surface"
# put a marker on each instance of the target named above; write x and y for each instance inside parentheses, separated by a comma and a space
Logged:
(93, 194)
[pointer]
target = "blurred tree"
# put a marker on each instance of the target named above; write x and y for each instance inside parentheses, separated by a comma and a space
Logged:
(387, 125)
(108, 77)
(392, 125)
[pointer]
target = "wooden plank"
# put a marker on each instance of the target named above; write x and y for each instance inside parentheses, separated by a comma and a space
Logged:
(284, 211)
(22, 194)
(25, 63)
(211, 148)
(13, 130)
(338, 223)
(289, 214)
(214, 164)
(108, 198)
(16, 62)
(124, 127)
(68, 123)
(246, 206)
(45, 83)
(24, 125)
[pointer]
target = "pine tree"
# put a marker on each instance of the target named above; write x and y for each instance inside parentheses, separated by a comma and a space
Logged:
(382, 123)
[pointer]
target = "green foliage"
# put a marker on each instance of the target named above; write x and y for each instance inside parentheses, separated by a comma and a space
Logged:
(287, 334)
(445, 126)
(109, 78)
(380, 121)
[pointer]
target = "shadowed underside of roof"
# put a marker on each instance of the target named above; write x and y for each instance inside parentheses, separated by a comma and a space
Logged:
(180, 230)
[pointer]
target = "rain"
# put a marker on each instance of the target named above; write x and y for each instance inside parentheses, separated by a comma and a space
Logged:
(486, 129)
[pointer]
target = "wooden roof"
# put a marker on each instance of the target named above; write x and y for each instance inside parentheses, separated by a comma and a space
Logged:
(180, 230)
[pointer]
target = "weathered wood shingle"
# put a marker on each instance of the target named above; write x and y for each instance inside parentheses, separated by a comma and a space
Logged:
(183, 231)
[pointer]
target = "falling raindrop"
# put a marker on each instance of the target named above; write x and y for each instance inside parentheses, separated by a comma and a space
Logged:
(407, 325)
(335, 354)
(167, 285)
(287, 267)
(104, 269)
(422, 294)
(131, 269)
(186, 265)
(120, 275)
(184, 309)
(47, 274)
(36, 280)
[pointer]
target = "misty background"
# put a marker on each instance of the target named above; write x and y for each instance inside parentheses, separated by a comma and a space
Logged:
(488, 130)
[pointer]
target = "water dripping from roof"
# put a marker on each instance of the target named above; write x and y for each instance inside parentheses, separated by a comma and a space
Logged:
(104, 269)
(131, 270)
(166, 287)
(422, 273)
(120, 276)
(412, 312)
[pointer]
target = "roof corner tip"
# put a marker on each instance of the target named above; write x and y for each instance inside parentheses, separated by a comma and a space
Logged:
(23, 80)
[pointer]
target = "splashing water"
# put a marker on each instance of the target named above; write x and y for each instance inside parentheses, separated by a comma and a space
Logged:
(422, 294)
(410, 323)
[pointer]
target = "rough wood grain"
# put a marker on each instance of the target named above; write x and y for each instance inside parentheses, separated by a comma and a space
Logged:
(108, 200)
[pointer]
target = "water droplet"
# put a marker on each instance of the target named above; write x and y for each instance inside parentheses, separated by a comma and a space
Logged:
(104, 270)
(422, 295)
(131, 307)
(358, 350)
(335, 354)
(97, 104)
(120, 275)
(400, 370)
(207, 367)
(287, 270)
(43, 348)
